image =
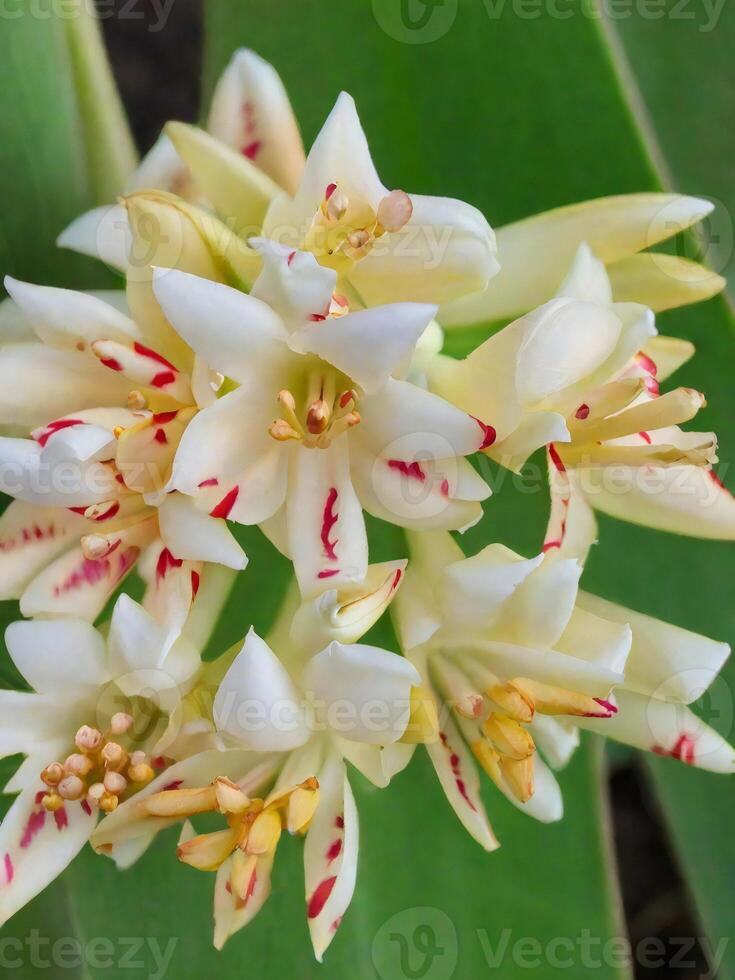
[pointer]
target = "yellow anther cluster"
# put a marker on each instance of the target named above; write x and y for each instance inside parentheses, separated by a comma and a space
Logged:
(254, 825)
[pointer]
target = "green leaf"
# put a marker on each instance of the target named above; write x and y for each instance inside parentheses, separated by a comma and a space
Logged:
(111, 154)
(680, 61)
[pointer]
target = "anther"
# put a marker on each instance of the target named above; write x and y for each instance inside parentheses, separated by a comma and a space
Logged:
(120, 723)
(71, 788)
(53, 774)
(87, 739)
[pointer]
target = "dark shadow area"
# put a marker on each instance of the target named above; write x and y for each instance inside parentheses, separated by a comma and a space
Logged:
(659, 913)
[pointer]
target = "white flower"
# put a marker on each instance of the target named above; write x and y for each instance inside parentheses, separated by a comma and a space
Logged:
(104, 715)
(317, 427)
(535, 254)
(105, 412)
(581, 375)
(522, 660)
(387, 246)
(299, 717)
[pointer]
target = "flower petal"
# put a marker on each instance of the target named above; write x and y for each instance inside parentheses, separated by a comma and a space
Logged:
(68, 319)
(102, 233)
(30, 538)
(446, 250)
(39, 383)
(77, 586)
(236, 334)
(667, 729)
(36, 846)
(682, 499)
(536, 252)
(326, 530)
(58, 656)
(195, 536)
(257, 703)
(372, 685)
(250, 112)
(330, 855)
(663, 281)
(238, 190)
(293, 283)
(369, 345)
(665, 661)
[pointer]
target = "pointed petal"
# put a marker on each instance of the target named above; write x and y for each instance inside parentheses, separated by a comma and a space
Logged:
(326, 530)
(102, 233)
(39, 383)
(340, 155)
(587, 279)
(161, 168)
(58, 656)
(330, 855)
(537, 612)
(556, 738)
(686, 500)
(257, 703)
(292, 283)
(368, 346)
(236, 334)
(251, 112)
(77, 586)
(667, 729)
(665, 661)
(373, 684)
(446, 250)
(237, 189)
(30, 538)
(668, 354)
(68, 319)
(405, 421)
(36, 846)
(195, 536)
(663, 281)
(459, 779)
(536, 252)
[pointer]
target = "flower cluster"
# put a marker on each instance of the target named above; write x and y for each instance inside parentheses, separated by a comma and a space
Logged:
(276, 360)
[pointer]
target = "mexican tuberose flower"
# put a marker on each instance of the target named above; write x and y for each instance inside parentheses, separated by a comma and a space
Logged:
(317, 426)
(522, 659)
(103, 718)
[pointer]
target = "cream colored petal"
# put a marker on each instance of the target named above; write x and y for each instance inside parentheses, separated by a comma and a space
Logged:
(535, 253)
(662, 281)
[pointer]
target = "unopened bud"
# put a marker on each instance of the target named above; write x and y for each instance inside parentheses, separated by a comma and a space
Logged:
(108, 802)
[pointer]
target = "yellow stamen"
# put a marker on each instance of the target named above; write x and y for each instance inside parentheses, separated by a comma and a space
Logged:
(265, 832)
(180, 802)
(230, 798)
(423, 721)
(488, 758)
(207, 851)
(516, 703)
(519, 776)
(508, 736)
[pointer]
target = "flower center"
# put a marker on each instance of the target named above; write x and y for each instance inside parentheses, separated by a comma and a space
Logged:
(322, 416)
(345, 228)
(493, 716)
(102, 771)
(254, 826)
